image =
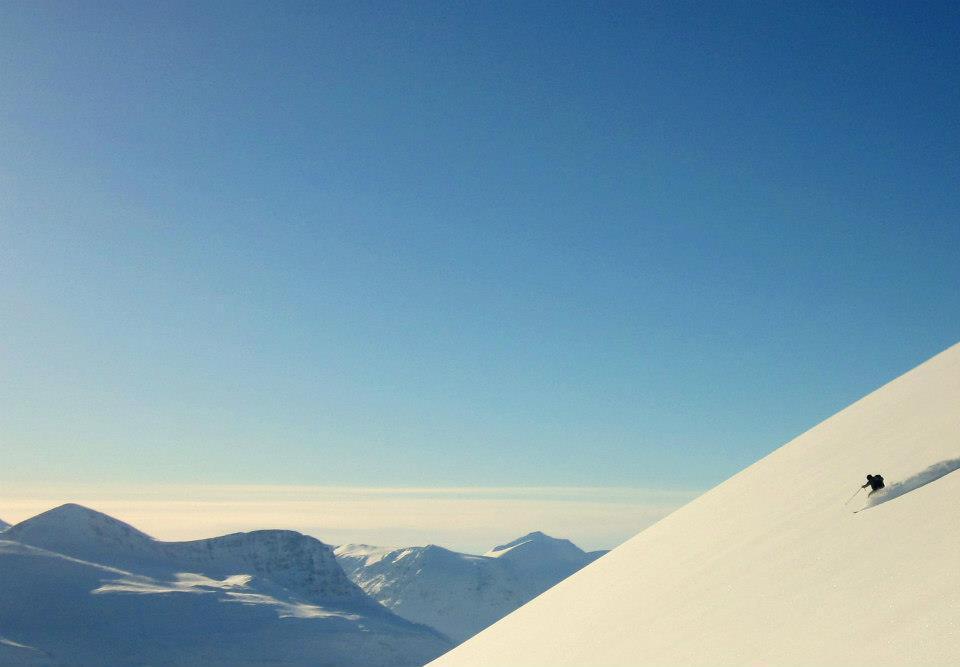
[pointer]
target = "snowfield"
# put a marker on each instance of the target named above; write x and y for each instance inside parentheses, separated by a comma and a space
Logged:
(772, 567)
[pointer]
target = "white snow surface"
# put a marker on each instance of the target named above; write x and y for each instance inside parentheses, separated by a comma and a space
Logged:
(460, 594)
(771, 567)
(78, 587)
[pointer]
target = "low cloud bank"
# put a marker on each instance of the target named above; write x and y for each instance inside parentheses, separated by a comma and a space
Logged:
(465, 519)
(897, 489)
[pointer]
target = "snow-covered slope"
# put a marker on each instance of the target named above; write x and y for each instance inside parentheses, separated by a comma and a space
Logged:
(771, 567)
(268, 597)
(3, 525)
(460, 594)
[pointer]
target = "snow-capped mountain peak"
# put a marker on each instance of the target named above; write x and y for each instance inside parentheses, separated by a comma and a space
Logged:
(77, 520)
(79, 532)
(370, 555)
(456, 593)
(535, 535)
(3, 525)
(538, 545)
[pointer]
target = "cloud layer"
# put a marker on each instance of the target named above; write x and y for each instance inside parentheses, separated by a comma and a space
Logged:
(468, 519)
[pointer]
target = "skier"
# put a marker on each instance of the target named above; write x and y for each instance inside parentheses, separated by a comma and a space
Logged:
(875, 482)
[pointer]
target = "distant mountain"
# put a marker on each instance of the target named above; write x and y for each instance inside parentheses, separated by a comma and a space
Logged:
(543, 560)
(83, 533)
(303, 565)
(461, 594)
(542, 545)
(79, 587)
(3, 525)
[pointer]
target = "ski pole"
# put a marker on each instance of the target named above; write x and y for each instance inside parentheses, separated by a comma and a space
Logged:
(853, 496)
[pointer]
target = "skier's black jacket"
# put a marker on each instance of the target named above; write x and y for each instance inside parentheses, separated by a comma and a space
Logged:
(875, 482)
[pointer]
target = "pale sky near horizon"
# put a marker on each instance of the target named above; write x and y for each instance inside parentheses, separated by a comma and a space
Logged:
(473, 520)
(442, 245)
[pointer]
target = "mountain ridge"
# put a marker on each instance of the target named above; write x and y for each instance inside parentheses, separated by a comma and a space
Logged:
(460, 594)
(300, 563)
(115, 596)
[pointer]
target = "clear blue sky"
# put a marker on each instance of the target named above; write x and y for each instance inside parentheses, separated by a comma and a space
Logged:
(475, 244)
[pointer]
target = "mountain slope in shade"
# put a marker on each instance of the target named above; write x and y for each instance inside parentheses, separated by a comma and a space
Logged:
(303, 565)
(261, 598)
(299, 563)
(460, 594)
(3, 525)
(771, 567)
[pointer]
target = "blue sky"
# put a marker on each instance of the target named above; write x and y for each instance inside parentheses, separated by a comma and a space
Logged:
(448, 245)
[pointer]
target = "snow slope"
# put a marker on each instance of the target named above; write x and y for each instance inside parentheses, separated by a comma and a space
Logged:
(460, 594)
(3, 525)
(267, 597)
(770, 567)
